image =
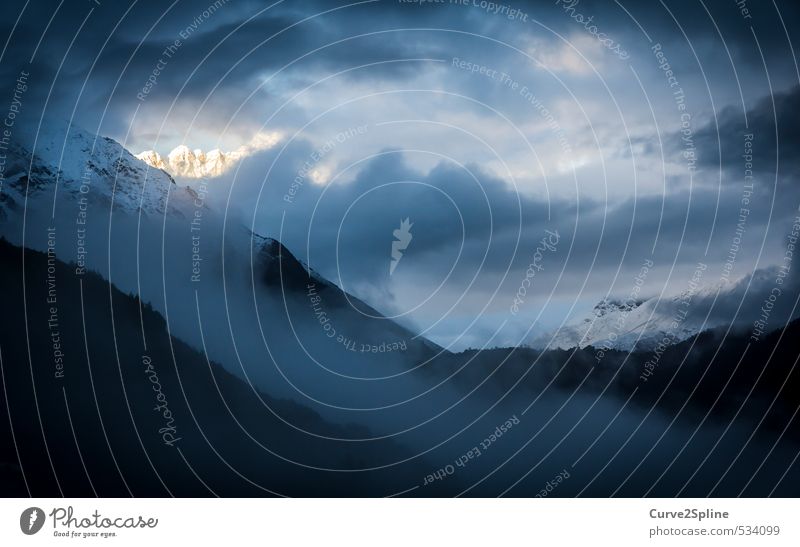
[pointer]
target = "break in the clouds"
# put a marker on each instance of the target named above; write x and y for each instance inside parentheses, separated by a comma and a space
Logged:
(635, 130)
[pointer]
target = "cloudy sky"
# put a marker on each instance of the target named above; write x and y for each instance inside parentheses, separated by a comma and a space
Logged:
(621, 126)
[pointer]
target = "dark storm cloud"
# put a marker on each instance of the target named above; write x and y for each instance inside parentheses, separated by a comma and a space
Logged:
(696, 23)
(774, 125)
(143, 34)
(148, 27)
(478, 221)
(450, 206)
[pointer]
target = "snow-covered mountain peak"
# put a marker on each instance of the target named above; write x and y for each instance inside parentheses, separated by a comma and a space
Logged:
(153, 159)
(609, 306)
(72, 164)
(185, 162)
(624, 325)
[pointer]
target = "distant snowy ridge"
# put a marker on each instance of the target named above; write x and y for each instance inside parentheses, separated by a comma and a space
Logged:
(637, 324)
(185, 162)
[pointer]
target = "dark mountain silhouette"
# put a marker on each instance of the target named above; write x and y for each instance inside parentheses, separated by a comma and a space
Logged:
(709, 374)
(280, 270)
(88, 376)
